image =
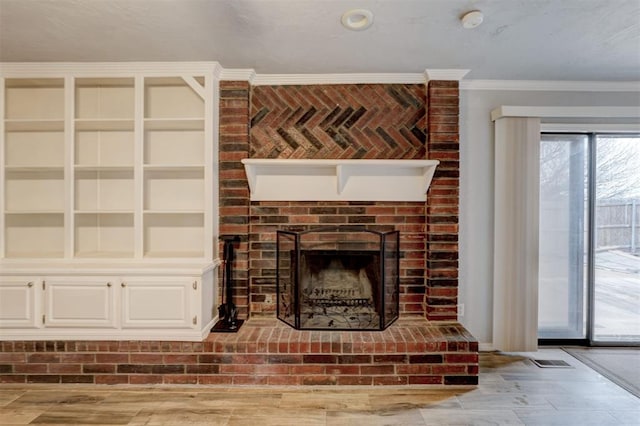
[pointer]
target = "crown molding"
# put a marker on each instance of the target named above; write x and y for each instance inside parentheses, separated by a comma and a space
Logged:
(217, 71)
(552, 85)
(239, 74)
(99, 69)
(445, 74)
(355, 78)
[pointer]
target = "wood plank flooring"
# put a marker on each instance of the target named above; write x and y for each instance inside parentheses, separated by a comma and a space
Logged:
(512, 391)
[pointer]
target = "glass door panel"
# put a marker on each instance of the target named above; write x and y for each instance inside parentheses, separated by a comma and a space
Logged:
(616, 306)
(563, 236)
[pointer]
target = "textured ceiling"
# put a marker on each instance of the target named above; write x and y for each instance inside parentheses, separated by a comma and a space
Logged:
(519, 39)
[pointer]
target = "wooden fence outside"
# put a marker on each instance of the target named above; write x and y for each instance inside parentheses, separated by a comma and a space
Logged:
(618, 225)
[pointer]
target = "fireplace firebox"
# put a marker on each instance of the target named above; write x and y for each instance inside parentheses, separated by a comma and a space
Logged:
(338, 278)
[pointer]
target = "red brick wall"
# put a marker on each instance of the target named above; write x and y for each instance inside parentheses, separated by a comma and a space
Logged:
(396, 121)
(442, 201)
(263, 352)
(337, 121)
(234, 189)
(268, 217)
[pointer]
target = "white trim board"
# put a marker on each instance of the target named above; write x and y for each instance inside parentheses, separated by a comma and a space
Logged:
(247, 74)
(309, 79)
(102, 69)
(591, 127)
(565, 112)
(445, 74)
(486, 347)
(92, 334)
(28, 69)
(430, 74)
(552, 85)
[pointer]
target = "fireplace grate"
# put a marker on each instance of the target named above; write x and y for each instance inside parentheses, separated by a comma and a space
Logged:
(327, 303)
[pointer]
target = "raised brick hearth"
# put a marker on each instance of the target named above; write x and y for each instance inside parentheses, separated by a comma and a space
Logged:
(263, 352)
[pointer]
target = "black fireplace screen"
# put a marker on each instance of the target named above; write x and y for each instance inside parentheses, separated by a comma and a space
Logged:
(338, 278)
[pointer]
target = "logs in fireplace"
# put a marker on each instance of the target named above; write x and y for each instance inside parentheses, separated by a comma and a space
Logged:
(338, 278)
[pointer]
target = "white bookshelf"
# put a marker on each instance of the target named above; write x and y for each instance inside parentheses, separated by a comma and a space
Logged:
(103, 172)
(33, 167)
(104, 165)
(174, 169)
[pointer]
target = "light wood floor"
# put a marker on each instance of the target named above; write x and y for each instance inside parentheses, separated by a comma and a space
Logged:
(512, 391)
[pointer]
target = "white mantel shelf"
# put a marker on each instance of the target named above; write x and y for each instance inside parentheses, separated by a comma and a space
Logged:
(339, 180)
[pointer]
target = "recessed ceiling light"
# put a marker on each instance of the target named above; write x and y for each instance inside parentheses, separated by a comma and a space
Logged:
(357, 19)
(472, 19)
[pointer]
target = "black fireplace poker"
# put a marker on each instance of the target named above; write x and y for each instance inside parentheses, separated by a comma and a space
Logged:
(228, 321)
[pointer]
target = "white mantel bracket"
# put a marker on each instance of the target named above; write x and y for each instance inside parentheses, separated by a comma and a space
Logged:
(338, 180)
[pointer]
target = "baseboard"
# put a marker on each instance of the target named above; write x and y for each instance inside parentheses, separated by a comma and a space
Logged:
(486, 347)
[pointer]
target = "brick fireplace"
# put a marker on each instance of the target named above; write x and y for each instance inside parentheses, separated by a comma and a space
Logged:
(369, 121)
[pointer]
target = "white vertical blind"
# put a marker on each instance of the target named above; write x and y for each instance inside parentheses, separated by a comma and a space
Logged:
(515, 287)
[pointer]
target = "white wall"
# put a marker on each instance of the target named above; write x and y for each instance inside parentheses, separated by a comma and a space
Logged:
(476, 188)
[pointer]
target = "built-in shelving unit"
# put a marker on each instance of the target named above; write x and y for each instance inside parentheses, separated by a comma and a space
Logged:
(33, 175)
(103, 168)
(173, 168)
(109, 164)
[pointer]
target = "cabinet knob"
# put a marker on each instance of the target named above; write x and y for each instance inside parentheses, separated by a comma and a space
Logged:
(30, 284)
(123, 285)
(108, 284)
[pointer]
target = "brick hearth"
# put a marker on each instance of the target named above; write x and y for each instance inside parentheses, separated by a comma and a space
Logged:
(264, 352)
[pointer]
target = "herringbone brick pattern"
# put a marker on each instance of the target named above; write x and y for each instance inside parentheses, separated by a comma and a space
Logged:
(375, 121)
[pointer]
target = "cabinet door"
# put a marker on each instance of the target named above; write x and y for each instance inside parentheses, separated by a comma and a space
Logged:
(159, 302)
(79, 302)
(18, 307)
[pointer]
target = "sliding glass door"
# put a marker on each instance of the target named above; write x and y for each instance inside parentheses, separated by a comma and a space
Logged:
(563, 235)
(616, 257)
(589, 288)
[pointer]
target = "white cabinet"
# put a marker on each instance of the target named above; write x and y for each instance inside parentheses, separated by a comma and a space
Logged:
(160, 302)
(108, 176)
(79, 302)
(168, 302)
(18, 302)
